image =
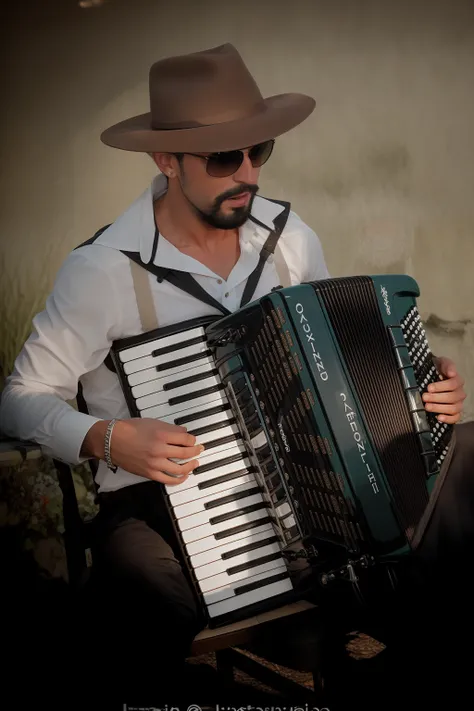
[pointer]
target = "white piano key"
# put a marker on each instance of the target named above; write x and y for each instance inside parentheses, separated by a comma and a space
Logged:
(259, 440)
(211, 545)
(178, 497)
(209, 420)
(218, 453)
(208, 529)
(220, 567)
(195, 479)
(213, 551)
(197, 508)
(158, 379)
(284, 509)
(165, 410)
(203, 517)
(199, 505)
(145, 349)
(289, 522)
(165, 396)
(151, 361)
(219, 433)
(150, 373)
(222, 586)
(216, 399)
(238, 602)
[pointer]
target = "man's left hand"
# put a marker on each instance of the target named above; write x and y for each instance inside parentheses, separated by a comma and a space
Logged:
(447, 396)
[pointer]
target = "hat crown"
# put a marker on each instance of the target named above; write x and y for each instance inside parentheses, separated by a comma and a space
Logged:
(201, 89)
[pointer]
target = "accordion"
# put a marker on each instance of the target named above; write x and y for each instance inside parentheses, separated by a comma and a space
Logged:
(319, 454)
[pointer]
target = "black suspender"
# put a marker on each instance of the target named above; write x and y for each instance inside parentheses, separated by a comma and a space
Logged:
(186, 282)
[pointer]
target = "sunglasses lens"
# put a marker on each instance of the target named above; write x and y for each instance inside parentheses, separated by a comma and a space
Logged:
(220, 165)
(260, 153)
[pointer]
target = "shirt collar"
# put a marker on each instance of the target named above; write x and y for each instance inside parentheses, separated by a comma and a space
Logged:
(135, 230)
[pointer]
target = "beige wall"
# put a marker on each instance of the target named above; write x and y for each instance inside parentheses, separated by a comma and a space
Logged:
(383, 171)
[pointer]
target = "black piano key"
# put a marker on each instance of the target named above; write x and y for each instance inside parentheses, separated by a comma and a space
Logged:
(261, 583)
(211, 428)
(221, 479)
(232, 497)
(183, 361)
(253, 563)
(238, 512)
(222, 440)
(219, 463)
(192, 396)
(187, 381)
(178, 346)
(249, 547)
(202, 413)
(278, 494)
(243, 527)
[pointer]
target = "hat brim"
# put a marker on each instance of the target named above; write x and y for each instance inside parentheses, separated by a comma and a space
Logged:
(279, 114)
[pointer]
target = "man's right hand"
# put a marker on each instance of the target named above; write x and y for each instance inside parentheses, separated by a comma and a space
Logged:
(145, 447)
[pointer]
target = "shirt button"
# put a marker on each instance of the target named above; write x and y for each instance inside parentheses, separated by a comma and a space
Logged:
(226, 294)
(219, 281)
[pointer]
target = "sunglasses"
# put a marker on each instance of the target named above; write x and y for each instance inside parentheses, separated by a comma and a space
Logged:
(221, 165)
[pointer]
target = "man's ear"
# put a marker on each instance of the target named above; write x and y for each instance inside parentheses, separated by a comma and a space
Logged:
(167, 163)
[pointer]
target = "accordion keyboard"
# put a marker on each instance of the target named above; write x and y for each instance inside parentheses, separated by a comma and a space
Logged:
(220, 510)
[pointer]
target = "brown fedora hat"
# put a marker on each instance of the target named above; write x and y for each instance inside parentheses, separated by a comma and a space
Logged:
(207, 101)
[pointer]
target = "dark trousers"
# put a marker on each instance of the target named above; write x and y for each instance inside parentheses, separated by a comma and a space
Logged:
(142, 599)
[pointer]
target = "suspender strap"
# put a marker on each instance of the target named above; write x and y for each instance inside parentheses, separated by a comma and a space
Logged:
(146, 307)
(182, 280)
(267, 250)
(281, 268)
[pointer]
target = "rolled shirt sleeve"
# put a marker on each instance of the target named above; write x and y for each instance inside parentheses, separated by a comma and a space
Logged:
(70, 337)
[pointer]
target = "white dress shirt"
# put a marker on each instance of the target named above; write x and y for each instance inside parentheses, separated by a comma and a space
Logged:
(93, 303)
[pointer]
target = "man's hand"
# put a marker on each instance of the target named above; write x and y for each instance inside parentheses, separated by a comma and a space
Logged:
(145, 447)
(447, 396)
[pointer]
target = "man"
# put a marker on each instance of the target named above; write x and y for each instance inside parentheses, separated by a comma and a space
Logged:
(209, 132)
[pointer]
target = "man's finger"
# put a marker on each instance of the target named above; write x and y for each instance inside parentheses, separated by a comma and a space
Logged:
(449, 419)
(448, 397)
(173, 452)
(446, 367)
(170, 467)
(182, 439)
(444, 408)
(446, 385)
(165, 478)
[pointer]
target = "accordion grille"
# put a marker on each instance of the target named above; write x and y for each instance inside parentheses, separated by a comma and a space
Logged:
(367, 351)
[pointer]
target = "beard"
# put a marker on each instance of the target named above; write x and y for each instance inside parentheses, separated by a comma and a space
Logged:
(238, 215)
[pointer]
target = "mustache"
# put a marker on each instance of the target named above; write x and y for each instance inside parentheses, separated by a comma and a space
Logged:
(238, 190)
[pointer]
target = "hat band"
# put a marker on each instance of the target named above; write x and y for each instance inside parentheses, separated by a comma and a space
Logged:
(234, 114)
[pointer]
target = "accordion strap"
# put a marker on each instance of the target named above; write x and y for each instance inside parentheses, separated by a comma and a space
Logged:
(146, 307)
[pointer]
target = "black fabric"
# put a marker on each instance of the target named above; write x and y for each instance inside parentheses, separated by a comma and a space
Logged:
(187, 283)
(149, 614)
(267, 250)
(181, 280)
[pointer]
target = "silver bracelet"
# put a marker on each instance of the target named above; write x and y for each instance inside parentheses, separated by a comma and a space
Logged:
(108, 437)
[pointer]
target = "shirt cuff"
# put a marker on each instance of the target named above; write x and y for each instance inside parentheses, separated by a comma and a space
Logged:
(69, 435)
